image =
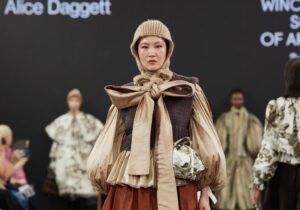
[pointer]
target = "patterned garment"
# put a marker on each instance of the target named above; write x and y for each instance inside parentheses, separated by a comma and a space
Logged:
(281, 141)
(73, 137)
(187, 164)
(240, 134)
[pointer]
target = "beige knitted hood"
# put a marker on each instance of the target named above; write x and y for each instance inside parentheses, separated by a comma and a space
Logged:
(152, 28)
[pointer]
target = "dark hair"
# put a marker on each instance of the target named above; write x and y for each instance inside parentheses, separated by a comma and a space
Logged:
(292, 78)
(235, 91)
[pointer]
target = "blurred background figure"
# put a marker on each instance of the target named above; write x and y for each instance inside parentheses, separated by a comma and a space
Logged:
(240, 134)
(73, 136)
(19, 177)
(278, 161)
(15, 191)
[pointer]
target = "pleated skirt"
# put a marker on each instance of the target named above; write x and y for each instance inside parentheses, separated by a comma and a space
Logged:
(128, 198)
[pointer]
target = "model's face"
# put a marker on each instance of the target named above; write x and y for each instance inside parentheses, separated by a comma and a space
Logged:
(74, 104)
(152, 52)
(237, 100)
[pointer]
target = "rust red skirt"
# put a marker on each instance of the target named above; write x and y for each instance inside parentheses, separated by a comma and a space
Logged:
(128, 198)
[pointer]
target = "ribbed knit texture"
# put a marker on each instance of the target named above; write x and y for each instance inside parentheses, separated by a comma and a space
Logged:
(152, 28)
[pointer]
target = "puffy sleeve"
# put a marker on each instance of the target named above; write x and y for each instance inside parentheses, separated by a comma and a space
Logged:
(254, 136)
(106, 150)
(206, 142)
(266, 162)
(92, 127)
(51, 129)
(56, 130)
(222, 131)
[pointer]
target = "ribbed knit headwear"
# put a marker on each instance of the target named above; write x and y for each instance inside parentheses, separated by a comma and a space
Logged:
(152, 28)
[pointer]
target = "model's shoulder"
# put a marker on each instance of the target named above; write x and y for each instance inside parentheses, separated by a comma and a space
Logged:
(88, 115)
(65, 115)
(285, 104)
(279, 101)
(191, 79)
(276, 104)
(62, 118)
(285, 101)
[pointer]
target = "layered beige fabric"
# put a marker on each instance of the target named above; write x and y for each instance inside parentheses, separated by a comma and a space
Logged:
(106, 150)
(206, 142)
(139, 159)
(141, 167)
(241, 134)
(243, 128)
(120, 175)
(105, 157)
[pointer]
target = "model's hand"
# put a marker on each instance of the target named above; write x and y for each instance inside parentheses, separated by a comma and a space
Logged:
(255, 196)
(204, 200)
(204, 204)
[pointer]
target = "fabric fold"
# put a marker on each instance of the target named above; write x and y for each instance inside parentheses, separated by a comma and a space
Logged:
(119, 173)
(146, 97)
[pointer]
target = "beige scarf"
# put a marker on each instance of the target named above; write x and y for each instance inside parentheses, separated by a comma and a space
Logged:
(148, 95)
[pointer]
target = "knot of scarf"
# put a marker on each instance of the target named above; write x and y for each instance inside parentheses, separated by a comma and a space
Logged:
(144, 96)
(152, 86)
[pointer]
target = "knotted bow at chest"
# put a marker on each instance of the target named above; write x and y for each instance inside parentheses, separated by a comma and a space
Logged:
(147, 97)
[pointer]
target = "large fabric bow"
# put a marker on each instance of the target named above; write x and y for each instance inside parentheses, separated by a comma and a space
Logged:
(147, 97)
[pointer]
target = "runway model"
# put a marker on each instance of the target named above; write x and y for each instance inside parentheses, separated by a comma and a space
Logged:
(277, 166)
(152, 122)
(240, 133)
(73, 135)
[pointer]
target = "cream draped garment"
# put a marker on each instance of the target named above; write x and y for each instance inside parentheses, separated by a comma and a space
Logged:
(73, 139)
(205, 141)
(240, 134)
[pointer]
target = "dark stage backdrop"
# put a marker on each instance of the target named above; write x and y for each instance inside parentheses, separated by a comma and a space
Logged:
(48, 47)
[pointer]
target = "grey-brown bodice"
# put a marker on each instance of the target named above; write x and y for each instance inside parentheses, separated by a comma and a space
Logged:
(179, 109)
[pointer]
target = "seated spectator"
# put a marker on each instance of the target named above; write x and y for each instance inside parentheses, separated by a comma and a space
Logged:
(15, 177)
(7, 170)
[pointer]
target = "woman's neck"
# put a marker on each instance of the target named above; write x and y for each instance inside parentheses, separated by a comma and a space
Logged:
(151, 73)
